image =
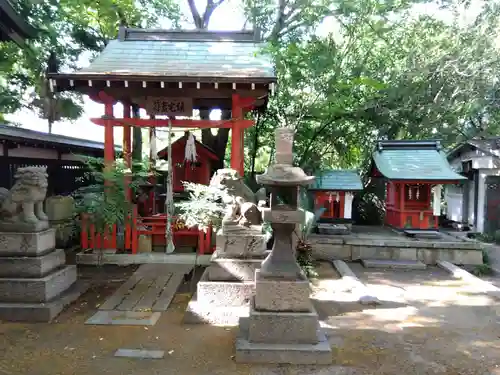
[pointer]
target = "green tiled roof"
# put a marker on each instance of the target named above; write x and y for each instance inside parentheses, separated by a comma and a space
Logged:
(183, 54)
(413, 160)
(338, 179)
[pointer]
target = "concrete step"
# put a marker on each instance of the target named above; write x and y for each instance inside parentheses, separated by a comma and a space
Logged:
(396, 264)
(41, 312)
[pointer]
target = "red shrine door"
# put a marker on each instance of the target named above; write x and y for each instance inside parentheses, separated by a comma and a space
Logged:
(333, 202)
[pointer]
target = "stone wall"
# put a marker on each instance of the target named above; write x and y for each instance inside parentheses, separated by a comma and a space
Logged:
(426, 251)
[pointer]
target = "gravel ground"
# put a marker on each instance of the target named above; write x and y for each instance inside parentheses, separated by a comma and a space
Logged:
(428, 324)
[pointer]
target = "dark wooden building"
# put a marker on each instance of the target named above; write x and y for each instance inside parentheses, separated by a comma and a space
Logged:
(60, 154)
(12, 26)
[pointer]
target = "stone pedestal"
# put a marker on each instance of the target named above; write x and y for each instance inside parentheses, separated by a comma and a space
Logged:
(282, 326)
(60, 211)
(227, 286)
(35, 283)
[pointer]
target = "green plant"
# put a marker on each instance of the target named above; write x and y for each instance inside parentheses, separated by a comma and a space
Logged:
(304, 249)
(485, 268)
(204, 206)
(485, 237)
(496, 236)
(105, 202)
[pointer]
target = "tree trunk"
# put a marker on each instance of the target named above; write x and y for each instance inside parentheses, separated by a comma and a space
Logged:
(255, 146)
(136, 137)
(218, 142)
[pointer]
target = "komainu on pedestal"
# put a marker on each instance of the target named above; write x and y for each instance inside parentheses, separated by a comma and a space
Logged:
(227, 285)
(35, 283)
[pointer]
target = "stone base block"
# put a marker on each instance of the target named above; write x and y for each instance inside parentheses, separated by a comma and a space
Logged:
(282, 216)
(456, 256)
(396, 264)
(296, 354)
(334, 229)
(41, 312)
(37, 289)
(293, 294)
(27, 244)
(203, 313)
(31, 266)
(21, 227)
(240, 246)
(233, 269)
(224, 293)
(282, 327)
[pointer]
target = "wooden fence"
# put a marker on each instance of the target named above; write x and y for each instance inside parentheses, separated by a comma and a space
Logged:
(64, 176)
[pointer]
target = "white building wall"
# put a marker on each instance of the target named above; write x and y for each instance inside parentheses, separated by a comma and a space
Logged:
(472, 194)
(454, 202)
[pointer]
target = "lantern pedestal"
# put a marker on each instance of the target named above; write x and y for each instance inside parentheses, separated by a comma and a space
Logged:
(283, 326)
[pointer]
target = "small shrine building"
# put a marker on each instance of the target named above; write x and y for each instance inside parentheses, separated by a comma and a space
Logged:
(414, 172)
(334, 190)
(171, 73)
(199, 171)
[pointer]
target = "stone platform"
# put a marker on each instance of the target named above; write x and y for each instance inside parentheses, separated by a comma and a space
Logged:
(382, 243)
(221, 302)
(293, 353)
(35, 283)
(282, 329)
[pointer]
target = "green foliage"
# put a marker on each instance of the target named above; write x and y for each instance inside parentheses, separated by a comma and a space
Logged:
(105, 200)
(310, 218)
(304, 249)
(204, 206)
(383, 70)
(305, 259)
(383, 73)
(68, 28)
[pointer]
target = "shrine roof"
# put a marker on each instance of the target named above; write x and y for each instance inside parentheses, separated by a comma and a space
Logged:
(183, 54)
(28, 137)
(338, 179)
(487, 146)
(413, 160)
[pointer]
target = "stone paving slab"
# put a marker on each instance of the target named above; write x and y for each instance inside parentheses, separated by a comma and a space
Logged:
(399, 264)
(366, 297)
(124, 318)
(151, 288)
(140, 353)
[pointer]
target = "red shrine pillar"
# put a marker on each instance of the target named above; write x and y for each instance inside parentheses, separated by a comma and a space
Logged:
(126, 144)
(109, 142)
(237, 134)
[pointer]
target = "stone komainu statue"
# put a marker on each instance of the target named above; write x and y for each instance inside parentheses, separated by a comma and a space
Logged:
(24, 202)
(242, 202)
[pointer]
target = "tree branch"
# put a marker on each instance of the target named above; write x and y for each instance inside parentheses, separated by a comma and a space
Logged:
(198, 21)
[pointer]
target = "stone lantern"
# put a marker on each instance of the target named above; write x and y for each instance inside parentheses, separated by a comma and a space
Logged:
(283, 326)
